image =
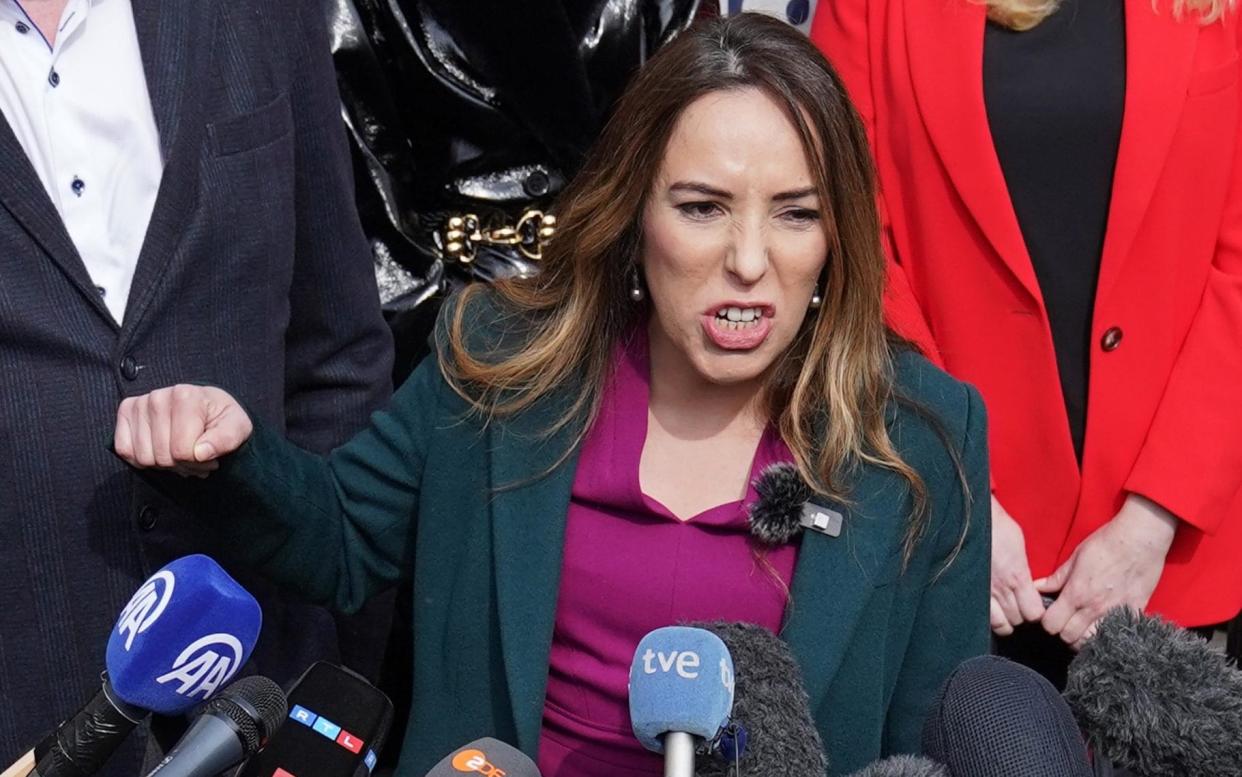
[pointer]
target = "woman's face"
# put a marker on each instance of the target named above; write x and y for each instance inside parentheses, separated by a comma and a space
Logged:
(733, 240)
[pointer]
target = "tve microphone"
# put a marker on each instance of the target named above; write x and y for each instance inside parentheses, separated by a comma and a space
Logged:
(487, 757)
(996, 718)
(182, 635)
(681, 693)
(229, 728)
(337, 723)
(771, 730)
(1157, 699)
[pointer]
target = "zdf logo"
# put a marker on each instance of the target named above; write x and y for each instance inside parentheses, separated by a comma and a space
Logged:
(146, 606)
(203, 672)
(476, 761)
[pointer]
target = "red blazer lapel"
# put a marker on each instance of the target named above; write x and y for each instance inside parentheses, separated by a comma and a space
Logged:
(1159, 58)
(944, 39)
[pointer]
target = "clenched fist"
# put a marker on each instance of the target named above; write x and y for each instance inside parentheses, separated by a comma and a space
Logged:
(181, 428)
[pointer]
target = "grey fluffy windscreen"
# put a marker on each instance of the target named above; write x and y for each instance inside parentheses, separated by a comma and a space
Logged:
(776, 516)
(771, 704)
(1157, 699)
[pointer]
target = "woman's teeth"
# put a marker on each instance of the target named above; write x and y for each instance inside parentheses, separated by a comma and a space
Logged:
(738, 318)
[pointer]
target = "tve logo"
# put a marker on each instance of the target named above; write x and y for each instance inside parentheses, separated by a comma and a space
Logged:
(201, 669)
(476, 761)
(685, 663)
(330, 730)
(146, 606)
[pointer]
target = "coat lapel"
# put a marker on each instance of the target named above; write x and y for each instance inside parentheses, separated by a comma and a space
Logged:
(945, 47)
(1159, 59)
(23, 196)
(528, 532)
(835, 576)
(175, 39)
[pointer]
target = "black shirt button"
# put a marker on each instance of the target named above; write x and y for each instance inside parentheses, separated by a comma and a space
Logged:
(54, 78)
(148, 517)
(22, 28)
(78, 185)
(102, 291)
(1111, 339)
(537, 184)
(129, 368)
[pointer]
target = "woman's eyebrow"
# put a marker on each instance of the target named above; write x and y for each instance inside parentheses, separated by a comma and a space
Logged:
(794, 194)
(700, 188)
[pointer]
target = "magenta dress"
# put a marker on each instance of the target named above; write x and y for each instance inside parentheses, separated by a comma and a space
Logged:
(630, 566)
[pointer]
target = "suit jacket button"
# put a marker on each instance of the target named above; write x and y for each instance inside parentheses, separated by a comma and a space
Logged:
(1111, 339)
(148, 517)
(129, 368)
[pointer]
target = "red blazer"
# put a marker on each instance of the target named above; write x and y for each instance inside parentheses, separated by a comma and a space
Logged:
(1164, 410)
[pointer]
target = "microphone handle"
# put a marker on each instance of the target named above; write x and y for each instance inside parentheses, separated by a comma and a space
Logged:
(21, 767)
(210, 746)
(82, 745)
(678, 754)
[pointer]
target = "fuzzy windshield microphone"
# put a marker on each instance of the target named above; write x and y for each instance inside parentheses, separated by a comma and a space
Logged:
(903, 766)
(1157, 699)
(771, 731)
(785, 507)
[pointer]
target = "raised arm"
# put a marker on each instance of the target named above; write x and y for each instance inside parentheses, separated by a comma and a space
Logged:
(337, 529)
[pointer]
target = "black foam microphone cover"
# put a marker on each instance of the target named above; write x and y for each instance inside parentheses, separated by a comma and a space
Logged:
(1157, 699)
(995, 718)
(336, 725)
(230, 727)
(770, 705)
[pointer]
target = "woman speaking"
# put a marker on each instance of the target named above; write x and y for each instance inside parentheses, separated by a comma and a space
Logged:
(573, 466)
(1063, 192)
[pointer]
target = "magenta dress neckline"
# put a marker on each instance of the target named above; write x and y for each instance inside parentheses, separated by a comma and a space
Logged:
(630, 566)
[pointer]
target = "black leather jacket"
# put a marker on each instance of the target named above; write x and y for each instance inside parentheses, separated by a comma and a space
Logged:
(484, 108)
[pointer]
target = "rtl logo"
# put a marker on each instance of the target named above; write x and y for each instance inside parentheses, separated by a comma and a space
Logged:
(476, 761)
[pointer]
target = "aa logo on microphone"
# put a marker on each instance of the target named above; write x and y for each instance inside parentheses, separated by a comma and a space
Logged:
(146, 606)
(476, 761)
(201, 669)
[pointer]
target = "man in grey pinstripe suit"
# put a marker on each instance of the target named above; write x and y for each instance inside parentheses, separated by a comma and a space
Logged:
(175, 205)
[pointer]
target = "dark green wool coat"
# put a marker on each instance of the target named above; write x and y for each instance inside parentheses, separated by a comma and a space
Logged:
(416, 494)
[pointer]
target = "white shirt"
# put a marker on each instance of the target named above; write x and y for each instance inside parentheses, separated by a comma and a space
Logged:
(81, 111)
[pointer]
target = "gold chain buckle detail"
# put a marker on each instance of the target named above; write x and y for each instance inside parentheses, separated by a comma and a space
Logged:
(464, 234)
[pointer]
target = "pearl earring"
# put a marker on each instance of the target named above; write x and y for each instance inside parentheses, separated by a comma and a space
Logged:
(816, 299)
(636, 286)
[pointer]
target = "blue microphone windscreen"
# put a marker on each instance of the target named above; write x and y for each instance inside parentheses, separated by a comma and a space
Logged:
(681, 680)
(182, 636)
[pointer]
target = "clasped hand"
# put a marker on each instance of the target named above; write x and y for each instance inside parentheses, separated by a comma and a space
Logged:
(1119, 564)
(183, 428)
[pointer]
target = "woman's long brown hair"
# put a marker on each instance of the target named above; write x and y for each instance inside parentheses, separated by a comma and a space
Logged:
(828, 392)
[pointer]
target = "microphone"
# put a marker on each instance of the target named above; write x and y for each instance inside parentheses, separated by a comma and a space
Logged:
(785, 507)
(902, 766)
(771, 730)
(681, 693)
(1157, 699)
(229, 728)
(488, 757)
(995, 718)
(183, 634)
(336, 725)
